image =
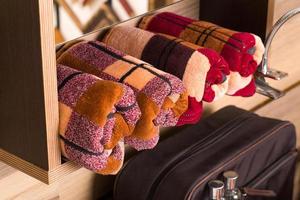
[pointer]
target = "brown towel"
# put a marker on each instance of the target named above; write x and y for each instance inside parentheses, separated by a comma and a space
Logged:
(95, 116)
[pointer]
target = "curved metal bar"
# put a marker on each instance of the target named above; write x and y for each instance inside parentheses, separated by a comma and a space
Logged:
(275, 28)
(264, 70)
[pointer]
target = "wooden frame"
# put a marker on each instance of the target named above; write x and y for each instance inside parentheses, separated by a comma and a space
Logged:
(29, 119)
(29, 106)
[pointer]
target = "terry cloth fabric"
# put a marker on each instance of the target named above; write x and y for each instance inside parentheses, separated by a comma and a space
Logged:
(203, 71)
(95, 115)
(243, 51)
(161, 97)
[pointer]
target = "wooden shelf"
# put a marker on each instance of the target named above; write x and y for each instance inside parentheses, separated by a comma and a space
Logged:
(28, 93)
(28, 103)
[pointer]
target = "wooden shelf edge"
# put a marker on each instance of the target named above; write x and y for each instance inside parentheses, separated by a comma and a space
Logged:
(61, 171)
(47, 35)
(69, 167)
(47, 177)
(24, 166)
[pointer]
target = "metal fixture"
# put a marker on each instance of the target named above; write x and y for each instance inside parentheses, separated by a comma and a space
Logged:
(231, 190)
(228, 190)
(216, 190)
(264, 71)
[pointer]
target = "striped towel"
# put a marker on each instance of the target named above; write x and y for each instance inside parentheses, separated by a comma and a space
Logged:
(95, 116)
(203, 71)
(161, 97)
(243, 51)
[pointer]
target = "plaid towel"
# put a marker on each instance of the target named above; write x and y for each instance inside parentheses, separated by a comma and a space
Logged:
(95, 115)
(203, 71)
(242, 51)
(161, 97)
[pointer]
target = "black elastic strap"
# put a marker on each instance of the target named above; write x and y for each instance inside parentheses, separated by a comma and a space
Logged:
(78, 148)
(67, 79)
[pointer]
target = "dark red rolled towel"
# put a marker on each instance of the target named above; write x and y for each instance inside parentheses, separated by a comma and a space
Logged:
(243, 51)
(203, 71)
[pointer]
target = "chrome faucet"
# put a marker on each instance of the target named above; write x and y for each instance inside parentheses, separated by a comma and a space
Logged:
(229, 190)
(264, 70)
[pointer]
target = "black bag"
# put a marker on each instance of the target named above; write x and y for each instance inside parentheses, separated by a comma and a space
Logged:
(260, 149)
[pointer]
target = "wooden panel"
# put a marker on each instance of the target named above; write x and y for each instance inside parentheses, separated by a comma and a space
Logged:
(278, 8)
(17, 185)
(6, 170)
(283, 6)
(84, 185)
(242, 15)
(80, 185)
(28, 97)
(286, 108)
(22, 165)
(45, 176)
(47, 41)
(270, 18)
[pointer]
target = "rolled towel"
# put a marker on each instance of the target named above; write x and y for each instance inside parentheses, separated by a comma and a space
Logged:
(243, 51)
(203, 71)
(161, 97)
(95, 116)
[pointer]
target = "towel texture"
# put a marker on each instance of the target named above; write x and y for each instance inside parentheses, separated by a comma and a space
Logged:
(95, 116)
(161, 97)
(243, 51)
(203, 71)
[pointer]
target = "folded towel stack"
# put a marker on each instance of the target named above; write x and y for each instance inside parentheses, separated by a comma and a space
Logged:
(243, 51)
(161, 97)
(203, 71)
(95, 116)
(110, 96)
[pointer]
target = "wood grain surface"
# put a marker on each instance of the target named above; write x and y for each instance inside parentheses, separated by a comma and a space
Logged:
(27, 131)
(28, 97)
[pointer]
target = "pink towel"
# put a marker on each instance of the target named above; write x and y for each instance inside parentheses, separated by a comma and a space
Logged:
(95, 116)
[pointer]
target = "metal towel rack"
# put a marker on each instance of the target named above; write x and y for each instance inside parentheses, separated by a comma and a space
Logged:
(264, 71)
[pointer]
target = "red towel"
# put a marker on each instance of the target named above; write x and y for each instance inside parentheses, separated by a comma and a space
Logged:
(243, 51)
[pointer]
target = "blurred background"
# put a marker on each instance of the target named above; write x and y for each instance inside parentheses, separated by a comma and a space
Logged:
(73, 18)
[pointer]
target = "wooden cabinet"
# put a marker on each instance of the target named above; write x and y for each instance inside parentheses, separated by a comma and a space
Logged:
(28, 96)
(28, 92)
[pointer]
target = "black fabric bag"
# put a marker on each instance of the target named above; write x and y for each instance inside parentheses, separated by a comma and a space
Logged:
(260, 149)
